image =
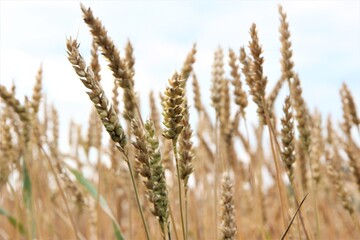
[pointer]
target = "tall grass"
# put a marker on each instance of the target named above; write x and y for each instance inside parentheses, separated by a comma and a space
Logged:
(169, 179)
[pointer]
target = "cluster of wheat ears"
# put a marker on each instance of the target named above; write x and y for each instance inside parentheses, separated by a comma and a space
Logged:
(167, 179)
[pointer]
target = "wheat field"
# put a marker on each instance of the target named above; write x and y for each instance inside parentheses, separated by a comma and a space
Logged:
(290, 175)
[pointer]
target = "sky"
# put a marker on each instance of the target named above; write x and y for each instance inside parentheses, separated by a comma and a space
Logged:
(325, 37)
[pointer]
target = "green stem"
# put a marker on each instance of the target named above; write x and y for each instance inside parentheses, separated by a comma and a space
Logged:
(137, 197)
(179, 186)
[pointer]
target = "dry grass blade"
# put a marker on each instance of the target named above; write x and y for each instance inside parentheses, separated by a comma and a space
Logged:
(293, 218)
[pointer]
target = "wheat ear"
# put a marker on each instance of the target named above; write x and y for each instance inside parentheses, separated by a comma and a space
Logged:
(173, 115)
(287, 137)
(228, 224)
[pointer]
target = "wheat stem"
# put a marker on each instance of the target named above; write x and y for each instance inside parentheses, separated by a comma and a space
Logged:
(128, 162)
(174, 141)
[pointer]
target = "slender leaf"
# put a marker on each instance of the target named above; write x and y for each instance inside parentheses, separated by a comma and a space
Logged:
(13, 221)
(27, 188)
(117, 231)
(104, 205)
(27, 198)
